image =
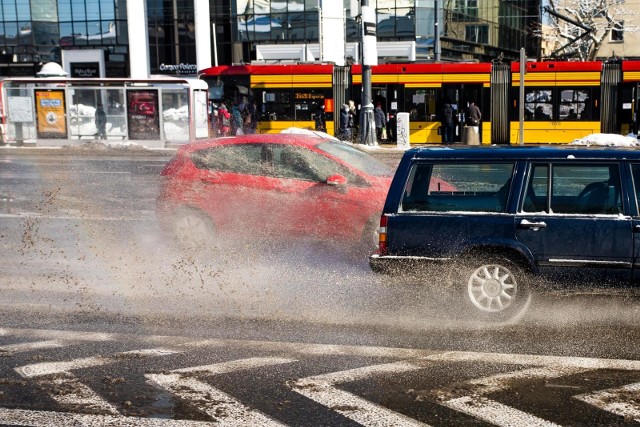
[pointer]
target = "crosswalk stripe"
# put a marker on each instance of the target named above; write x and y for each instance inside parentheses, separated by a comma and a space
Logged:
(20, 417)
(30, 346)
(68, 391)
(496, 413)
(222, 407)
(50, 368)
(622, 401)
(71, 393)
(321, 388)
(58, 334)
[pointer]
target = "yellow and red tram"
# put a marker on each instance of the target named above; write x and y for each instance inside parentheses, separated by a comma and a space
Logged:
(562, 100)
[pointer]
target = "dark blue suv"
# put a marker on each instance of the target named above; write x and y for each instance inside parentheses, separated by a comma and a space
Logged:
(502, 218)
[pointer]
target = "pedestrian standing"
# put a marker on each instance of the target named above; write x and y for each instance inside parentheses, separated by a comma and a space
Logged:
(474, 116)
(345, 130)
(224, 121)
(320, 119)
(353, 120)
(101, 121)
(447, 124)
(251, 118)
(381, 122)
(236, 120)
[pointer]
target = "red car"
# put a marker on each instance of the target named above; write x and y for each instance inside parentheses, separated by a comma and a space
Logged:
(273, 186)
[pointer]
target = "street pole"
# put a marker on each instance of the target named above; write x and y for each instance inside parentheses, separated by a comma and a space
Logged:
(523, 69)
(369, 58)
(436, 44)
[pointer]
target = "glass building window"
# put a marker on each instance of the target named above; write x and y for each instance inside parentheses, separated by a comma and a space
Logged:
(9, 10)
(78, 11)
(477, 33)
(466, 10)
(64, 10)
(617, 33)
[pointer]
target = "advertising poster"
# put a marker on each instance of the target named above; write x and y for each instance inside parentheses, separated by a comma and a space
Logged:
(50, 112)
(143, 115)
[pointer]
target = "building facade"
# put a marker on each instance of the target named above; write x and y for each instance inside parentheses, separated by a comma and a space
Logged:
(40, 31)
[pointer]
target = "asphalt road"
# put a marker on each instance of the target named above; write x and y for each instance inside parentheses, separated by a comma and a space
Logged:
(103, 321)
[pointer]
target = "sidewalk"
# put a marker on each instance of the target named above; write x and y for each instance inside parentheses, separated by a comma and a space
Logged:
(128, 148)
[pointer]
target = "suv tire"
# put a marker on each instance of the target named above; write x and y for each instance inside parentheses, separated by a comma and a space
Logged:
(494, 288)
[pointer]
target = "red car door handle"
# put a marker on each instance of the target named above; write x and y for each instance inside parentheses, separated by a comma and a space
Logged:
(535, 226)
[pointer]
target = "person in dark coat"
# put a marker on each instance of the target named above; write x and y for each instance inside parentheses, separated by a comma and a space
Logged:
(320, 119)
(474, 116)
(101, 121)
(380, 120)
(447, 124)
(345, 129)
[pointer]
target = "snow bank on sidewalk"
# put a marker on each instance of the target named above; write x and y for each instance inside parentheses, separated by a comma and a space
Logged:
(608, 140)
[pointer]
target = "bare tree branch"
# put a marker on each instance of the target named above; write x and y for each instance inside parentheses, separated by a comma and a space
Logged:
(599, 16)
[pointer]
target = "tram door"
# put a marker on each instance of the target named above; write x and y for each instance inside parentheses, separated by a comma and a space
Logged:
(459, 96)
(380, 95)
(629, 103)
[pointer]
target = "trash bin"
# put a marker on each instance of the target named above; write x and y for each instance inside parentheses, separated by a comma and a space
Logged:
(470, 136)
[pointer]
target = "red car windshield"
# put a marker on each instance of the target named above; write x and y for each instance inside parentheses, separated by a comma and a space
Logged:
(356, 158)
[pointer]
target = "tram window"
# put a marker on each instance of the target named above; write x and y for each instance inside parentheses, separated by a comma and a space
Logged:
(276, 104)
(307, 102)
(538, 104)
(572, 104)
(420, 104)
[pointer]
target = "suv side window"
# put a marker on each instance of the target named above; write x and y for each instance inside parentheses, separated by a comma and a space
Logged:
(458, 187)
(635, 171)
(575, 189)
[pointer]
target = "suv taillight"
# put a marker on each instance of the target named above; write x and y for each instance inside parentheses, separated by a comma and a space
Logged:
(382, 235)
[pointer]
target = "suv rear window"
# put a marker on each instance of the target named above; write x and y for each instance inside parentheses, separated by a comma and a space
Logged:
(460, 187)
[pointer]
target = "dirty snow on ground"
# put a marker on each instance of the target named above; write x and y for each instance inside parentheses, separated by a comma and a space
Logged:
(608, 140)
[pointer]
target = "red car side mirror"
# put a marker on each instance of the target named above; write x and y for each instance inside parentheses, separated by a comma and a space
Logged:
(336, 180)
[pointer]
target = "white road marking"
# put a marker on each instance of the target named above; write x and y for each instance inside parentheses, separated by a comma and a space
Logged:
(51, 368)
(23, 215)
(496, 413)
(19, 417)
(68, 391)
(58, 334)
(30, 346)
(621, 401)
(223, 408)
(472, 401)
(321, 389)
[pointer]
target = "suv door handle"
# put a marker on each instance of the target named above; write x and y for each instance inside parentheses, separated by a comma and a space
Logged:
(636, 228)
(535, 226)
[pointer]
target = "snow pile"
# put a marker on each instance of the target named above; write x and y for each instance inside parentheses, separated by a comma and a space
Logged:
(176, 114)
(608, 140)
(303, 131)
(82, 110)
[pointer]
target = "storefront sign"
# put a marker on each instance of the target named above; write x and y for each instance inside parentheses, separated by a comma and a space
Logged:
(50, 113)
(85, 69)
(180, 68)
